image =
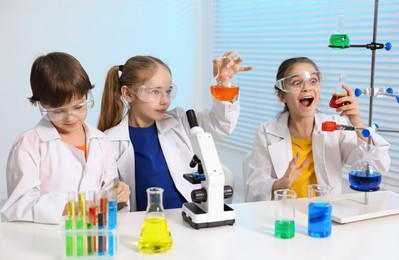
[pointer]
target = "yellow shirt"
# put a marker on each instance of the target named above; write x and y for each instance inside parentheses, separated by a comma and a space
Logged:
(307, 176)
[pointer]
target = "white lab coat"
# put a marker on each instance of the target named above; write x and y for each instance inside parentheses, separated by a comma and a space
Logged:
(272, 152)
(173, 133)
(42, 169)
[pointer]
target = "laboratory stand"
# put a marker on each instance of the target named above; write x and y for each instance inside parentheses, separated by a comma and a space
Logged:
(364, 175)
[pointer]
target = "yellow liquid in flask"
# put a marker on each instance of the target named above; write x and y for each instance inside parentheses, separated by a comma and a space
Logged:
(155, 236)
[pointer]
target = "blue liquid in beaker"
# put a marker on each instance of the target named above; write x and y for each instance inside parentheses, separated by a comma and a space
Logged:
(363, 180)
(319, 219)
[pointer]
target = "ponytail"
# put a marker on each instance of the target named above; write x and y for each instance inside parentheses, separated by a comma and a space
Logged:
(112, 106)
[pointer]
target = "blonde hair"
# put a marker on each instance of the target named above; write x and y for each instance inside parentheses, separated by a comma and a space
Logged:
(135, 72)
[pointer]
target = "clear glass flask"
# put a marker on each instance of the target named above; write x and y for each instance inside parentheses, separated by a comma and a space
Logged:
(365, 174)
(339, 92)
(339, 39)
(224, 88)
(155, 234)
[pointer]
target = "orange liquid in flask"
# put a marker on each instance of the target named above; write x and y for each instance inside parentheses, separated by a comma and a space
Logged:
(224, 93)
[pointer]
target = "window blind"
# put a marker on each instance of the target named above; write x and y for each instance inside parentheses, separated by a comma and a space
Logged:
(267, 32)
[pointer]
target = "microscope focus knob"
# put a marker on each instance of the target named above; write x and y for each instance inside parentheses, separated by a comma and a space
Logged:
(228, 191)
(199, 195)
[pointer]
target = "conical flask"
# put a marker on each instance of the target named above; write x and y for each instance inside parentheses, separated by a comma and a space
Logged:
(339, 39)
(224, 87)
(365, 174)
(339, 92)
(155, 234)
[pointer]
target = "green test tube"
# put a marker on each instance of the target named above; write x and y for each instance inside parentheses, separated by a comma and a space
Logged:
(68, 238)
(79, 238)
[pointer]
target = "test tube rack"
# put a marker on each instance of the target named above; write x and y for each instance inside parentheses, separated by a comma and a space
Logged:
(91, 233)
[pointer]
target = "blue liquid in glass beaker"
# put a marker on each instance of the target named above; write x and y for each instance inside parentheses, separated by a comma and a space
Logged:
(319, 219)
(363, 180)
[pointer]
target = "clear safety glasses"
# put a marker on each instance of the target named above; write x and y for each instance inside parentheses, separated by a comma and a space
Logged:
(154, 94)
(296, 82)
(60, 113)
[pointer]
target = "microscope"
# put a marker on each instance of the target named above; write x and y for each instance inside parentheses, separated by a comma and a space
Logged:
(208, 208)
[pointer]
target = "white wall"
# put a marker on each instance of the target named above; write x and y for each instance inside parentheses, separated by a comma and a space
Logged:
(99, 34)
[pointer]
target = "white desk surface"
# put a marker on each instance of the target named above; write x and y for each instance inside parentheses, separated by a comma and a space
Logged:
(251, 237)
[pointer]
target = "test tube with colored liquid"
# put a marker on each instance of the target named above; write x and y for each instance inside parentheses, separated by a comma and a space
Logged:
(82, 206)
(112, 218)
(101, 237)
(69, 247)
(92, 217)
(112, 209)
(104, 207)
(104, 210)
(82, 214)
(79, 238)
(71, 215)
(71, 207)
(90, 239)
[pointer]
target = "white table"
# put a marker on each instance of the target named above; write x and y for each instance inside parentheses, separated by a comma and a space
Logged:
(251, 237)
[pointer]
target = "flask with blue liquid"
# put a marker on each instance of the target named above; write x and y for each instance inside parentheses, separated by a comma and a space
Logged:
(365, 174)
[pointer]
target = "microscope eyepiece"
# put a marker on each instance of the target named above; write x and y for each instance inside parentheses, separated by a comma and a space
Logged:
(192, 119)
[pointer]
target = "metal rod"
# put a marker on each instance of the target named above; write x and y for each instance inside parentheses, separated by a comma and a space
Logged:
(373, 67)
(388, 131)
(366, 198)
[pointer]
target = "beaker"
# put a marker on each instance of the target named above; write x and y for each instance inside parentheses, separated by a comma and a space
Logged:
(155, 234)
(339, 92)
(339, 39)
(365, 174)
(224, 87)
(319, 210)
(284, 223)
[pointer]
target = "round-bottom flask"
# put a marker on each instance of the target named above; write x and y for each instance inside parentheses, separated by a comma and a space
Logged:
(155, 234)
(224, 88)
(365, 174)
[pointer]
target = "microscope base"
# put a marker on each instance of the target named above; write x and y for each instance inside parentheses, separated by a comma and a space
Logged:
(197, 218)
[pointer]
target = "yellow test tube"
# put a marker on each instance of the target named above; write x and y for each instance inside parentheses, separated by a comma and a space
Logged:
(82, 207)
(82, 214)
(71, 207)
(71, 215)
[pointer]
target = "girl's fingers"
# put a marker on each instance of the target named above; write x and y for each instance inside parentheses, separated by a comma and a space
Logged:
(246, 68)
(292, 165)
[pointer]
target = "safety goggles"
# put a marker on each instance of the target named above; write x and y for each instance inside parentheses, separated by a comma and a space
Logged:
(77, 110)
(154, 94)
(296, 82)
